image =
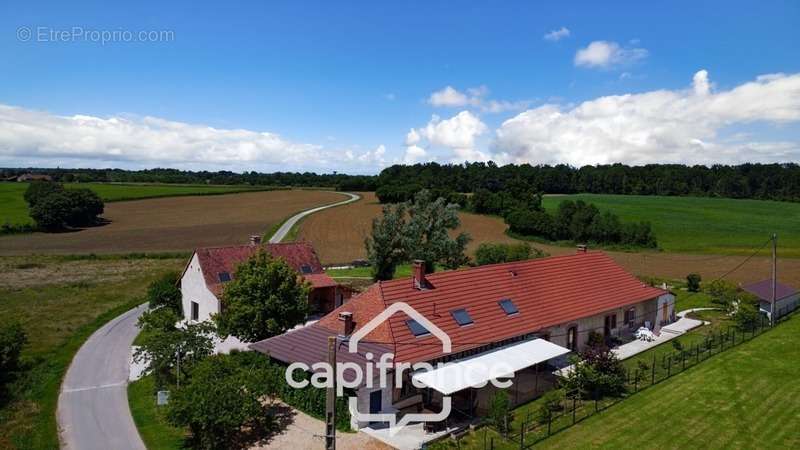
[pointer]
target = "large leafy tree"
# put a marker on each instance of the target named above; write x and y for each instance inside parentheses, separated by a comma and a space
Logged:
(265, 298)
(386, 247)
(427, 232)
(167, 351)
(223, 404)
(165, 292)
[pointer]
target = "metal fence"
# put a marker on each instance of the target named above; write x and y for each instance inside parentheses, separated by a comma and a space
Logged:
(575, 406)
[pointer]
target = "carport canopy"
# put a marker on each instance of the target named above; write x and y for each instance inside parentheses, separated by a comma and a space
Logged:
(499, 363)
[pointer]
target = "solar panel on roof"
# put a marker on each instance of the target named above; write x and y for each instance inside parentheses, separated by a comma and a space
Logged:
(224, 277)
(461, 317)
(305, 268)
(508, 306)
(416, 329)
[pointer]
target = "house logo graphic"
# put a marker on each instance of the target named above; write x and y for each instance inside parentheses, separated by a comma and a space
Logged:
(396, 425)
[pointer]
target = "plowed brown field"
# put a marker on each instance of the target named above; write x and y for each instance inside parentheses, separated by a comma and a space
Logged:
(174, 224)
(338, 235)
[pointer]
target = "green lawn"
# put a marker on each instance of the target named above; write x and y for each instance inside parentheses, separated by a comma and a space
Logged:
(153, 427)
(403, 270)
(704, 225)
(60, 302)
(14, 210)
(746, 397)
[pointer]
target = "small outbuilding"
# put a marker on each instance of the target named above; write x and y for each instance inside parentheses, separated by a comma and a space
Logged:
(786, 297)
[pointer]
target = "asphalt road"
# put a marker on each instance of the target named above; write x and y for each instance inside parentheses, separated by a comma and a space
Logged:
(93, 412)
(284, 229)
(93, 408)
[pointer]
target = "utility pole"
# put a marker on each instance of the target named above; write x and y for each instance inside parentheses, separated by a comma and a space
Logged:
(774, 277)
(330, 399)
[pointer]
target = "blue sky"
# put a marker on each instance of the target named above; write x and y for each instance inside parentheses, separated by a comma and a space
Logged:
(332, 83)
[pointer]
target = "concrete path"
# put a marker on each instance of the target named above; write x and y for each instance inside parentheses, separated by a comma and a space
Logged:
(93, 408)
(284, 229)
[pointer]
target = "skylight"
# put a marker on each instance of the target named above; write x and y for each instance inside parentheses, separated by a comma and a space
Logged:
(417, 329)
(461, 316)
(224, 277)
(508, 306)
(305, 268)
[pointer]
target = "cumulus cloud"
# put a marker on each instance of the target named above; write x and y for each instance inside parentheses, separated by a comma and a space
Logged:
(680, 126)
(474, 97)
(41, 138)
(457, 134)
(415, 154)
(557, 35)
(605, 54)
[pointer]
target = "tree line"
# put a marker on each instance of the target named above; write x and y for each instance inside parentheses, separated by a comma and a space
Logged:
(305, 179)
(400, 182)
(756, 181)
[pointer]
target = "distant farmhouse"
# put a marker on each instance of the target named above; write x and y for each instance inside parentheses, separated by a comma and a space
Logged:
(209, 269)
(786, 297)
(26, 177)
(527, 314)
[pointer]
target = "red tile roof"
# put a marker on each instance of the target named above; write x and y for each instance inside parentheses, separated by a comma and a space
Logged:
(320, 280)
(216, 260)
(546, 291)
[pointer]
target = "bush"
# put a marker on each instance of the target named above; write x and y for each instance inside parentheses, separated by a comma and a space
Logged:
(491, 253)
(39, 190)
(597, 373)
(693, 282)
(723, 293)
(12, 340)
(223, 403)
(551, 404)
(747, 315)
(54, 208)
(165, 292)
(531, 223)
(500, 411)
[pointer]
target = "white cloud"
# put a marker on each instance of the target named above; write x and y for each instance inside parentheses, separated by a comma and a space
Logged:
(681, 126)
(414, 154)
(457, 134)
(29, 137)
(605, 54)
(412, 138)
(448, 97)
(458, 131)
(474, 97)
(557, 35)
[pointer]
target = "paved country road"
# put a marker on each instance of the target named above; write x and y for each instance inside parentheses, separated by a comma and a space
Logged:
(93, 408)
(93, 412)
(284, 229)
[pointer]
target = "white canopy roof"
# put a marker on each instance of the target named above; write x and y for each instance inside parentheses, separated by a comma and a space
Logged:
(476, 371)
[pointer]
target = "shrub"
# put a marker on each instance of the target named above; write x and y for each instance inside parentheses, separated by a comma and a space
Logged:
(51, 212)
(693, 282)
(12, 340)
(598, 373)
(552, 402)
(500, 411)
(85, 206)
(491, 253)
(723, 293)
(165, 292)
(38, 190)
(223, 403)
(531, 223)
(747, 315)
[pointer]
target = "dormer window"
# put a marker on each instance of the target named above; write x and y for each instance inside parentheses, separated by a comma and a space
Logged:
(416, 329)
(461, 316)
(508, 306)
(224, 277)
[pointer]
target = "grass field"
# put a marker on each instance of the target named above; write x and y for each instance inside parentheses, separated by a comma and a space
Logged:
(704, 225)
(174, 224)
(744, 398)
(14, 210)
(153, 427)
(60, 302)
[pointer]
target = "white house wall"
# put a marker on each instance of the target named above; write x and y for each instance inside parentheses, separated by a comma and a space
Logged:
(193, 289)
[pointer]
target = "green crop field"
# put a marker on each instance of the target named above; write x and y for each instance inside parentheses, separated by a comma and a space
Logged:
(704, 225)
(14, 210)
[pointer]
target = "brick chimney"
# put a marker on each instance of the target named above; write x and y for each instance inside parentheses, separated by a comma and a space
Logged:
(583, 248)
(346, 319)
(418, 274)
(255, 239)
